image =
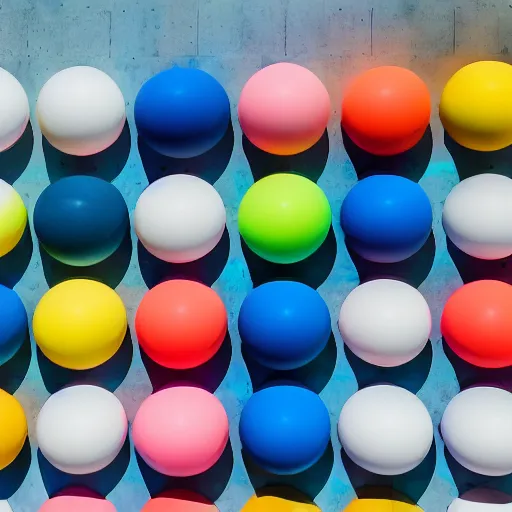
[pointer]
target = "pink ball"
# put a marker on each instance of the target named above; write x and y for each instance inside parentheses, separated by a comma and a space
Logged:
(181, 431)
(284, 109)
(77, 500)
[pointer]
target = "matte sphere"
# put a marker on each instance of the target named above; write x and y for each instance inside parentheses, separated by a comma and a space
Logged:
(386, 219)
(13, 218)
(81, 111)
(77, 504)
(477, 323)
(482, 499)
(285, 429)
(284, 325)
(476, 106)
(81, 429)
(386, 430)
(386, 110)
(181, 431)
(80, 324)
(81, 220)
(13, 319)
(13, 428)
(385, 322)
(284, 218)
(476, 430)
(376, 505)
(182, 112)
(181, 324)
(284, 109)
(179, 501)
(180, 218)
(477, 216)
(279, 499)
(14, 110)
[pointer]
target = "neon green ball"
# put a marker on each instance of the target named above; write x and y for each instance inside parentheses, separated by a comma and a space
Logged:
(284, 218)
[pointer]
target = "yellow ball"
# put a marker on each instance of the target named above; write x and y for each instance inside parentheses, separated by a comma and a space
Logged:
(13, 428)
(370, 505)
(80, 324)
(13, 218)
(476, 106)
(279, 500)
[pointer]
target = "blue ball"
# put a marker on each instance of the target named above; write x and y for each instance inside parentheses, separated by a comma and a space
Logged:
(285, 429)
(13, 322)
(182, 112)
(386, 219)
(81, 220)
(284, 324)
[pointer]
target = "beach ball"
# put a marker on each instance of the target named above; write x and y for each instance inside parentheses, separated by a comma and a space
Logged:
(81, 220)
(381, 505)
(385, 429)
(385, 322)
(386, 110)
(179, 501)
(81, 429)
(476, 430)
(14, 110)
(13, 428)
(81, 111)
(284, 218)
(386, 219)
(284, 324)
(279, 499)
(482, 499)
(477, 323)
(182, 112)
(77, 500)
(285, 429)
(180, 218)
(284, 109)
(181, 431)
(80, 324)
(476, 106)
(181, 324)
(13, 218)
(5, 507)
(477, 216)
(13, 319)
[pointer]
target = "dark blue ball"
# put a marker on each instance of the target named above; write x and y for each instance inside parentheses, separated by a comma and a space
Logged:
(13, 323)
(386, 219)
(182, 112)
(285, 429)
(284, 324)
(81, 220)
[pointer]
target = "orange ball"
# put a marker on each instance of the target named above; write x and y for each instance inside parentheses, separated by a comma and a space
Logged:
(386, 110)
(179, 501)
(477, 323)
(181, 324)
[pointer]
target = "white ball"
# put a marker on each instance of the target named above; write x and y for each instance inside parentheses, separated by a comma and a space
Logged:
(385, 322)
(386, 430)
(477, 216)
(476, 429)
(14, 110)
(180, 218)
(81, 111)
(482, 500)
(81, 429)
(5, 507)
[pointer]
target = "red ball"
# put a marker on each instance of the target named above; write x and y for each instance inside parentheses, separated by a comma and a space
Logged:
(181, 324)
(477, 323)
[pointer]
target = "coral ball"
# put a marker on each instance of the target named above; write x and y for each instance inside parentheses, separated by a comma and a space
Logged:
(284, 109)
(81, 220)
(385, 322)
(179, 501)
(284, 325)
(81, 429)
(285, 429)
(476, 106)
(81, 111)
(77, 501)
(181, 324)
(180, 218)
(182, 112)
(476, 430)
(386, 219)
(80, 324)
(381, 505)
(14, 322)
(386, 430)
(477, 216)
(13, 218)
(181, 431)
(279, 499)
(284, 218)
(13, 428)
(386, 110)
(477, 323)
